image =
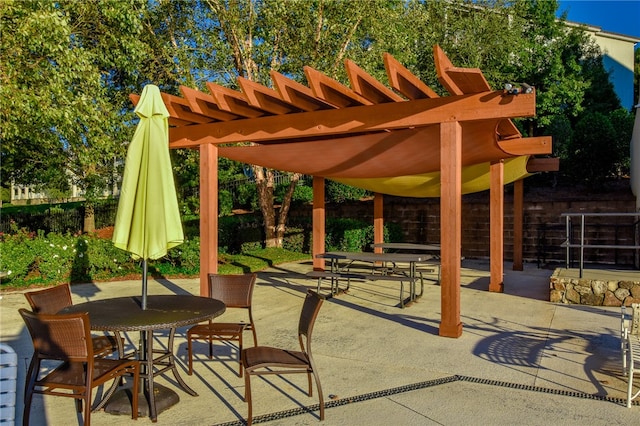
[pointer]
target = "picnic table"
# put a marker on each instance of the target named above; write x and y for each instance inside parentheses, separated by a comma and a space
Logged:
(432, 265)
(379, 269)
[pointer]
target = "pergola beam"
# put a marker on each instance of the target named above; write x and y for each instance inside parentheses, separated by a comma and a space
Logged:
(360, 119)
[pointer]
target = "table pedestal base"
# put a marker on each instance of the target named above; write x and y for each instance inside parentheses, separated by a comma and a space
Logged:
(120, 402)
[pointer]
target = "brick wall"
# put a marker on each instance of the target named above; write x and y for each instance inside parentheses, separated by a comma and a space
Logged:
(544, 228)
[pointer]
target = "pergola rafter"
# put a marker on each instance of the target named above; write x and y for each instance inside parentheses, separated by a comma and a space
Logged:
(362, 133)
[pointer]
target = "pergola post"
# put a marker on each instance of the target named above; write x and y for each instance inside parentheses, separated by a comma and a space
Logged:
(496, 227)
(518, 222)
(318, 221)
(378, 221)
(208, 214)
(450, 227)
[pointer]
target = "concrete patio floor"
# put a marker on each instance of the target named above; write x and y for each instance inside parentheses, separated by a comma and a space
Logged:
(520, 360)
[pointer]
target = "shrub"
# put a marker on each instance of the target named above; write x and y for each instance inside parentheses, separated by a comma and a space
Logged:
(5, 195)
(240, 233)
(344, 234)
(56, 255)
(184, 259)
(225, 203)
(247, 196)
(301, 193)
(339, 193)
(297, 239)
(17, 255)
(190, 205)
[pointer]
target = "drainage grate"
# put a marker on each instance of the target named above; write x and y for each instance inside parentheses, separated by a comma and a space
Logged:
(545, 390)
(422, 385)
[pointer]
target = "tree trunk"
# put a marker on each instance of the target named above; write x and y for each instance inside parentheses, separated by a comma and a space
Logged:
(274, 226)
(284, 209)
(265, 185)
(89, 222)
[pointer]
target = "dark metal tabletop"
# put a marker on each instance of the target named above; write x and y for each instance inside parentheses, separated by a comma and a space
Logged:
(375, 257)
(408, 246)
(163, 312)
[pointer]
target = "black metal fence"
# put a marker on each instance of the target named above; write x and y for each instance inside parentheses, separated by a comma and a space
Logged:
(58, 220)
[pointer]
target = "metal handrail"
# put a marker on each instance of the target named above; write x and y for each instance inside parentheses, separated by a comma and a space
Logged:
(567, 243)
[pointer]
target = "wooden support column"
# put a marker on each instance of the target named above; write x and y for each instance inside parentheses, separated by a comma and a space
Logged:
(378, 221)
(518, 223)
(450, 227)
(318, 219)
(496, 231)
(208, 214)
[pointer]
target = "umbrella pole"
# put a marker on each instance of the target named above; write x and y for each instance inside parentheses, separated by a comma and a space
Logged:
(144, 284)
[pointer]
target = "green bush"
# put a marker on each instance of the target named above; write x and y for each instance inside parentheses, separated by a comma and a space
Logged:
(339, 193)
(35, 258)
(191, 227)
(225, 203)
(184, 259)
(189, 205)
(297, 239)
(247, 196)
(17, 255)
(301, 193)
(240, 233)
(5, 195)
(55, 254)
(344, 234)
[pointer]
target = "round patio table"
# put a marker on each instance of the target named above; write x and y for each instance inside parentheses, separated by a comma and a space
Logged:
(164, 312)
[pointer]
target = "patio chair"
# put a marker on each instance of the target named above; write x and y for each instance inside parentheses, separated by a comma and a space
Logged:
(51, 300)
(67, 338)
(631, 348)
(236, 291)
(263, 360)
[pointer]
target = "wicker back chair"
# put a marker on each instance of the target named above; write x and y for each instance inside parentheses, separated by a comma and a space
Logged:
(50, 300)
(236, 291)
(262, 360)
(67, 338)
(53, 299)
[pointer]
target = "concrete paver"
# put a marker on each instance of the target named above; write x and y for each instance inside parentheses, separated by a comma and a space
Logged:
(520, 359)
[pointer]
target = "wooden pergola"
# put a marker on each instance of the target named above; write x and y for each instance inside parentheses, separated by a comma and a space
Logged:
(372, 136)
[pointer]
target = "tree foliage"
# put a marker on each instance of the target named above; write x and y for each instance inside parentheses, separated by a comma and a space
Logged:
(67, 68)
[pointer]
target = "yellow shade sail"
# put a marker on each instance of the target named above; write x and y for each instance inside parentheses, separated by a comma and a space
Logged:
(475, 178)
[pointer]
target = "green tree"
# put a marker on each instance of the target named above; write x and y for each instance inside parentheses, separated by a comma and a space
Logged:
(593, 150)
(622, 122)
(218, 41)
(66, 70)
(523, 41)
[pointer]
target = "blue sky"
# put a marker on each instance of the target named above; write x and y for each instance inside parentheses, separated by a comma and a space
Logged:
(618, 16)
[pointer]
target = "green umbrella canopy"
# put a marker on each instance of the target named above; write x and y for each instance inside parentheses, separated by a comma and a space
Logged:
(148, 219)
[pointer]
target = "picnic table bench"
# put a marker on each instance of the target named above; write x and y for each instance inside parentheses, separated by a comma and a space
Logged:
(378, 262)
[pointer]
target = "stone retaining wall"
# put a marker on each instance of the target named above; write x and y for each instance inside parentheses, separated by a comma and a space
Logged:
(595, 292)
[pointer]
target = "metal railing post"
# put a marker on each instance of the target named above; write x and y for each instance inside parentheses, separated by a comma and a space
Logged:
(581, 244)
(568, 241)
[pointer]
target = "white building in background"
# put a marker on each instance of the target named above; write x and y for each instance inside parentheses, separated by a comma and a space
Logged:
(618, 58)
(26, 194)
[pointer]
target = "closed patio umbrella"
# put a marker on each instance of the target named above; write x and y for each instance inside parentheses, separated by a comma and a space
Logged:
(148, 219)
